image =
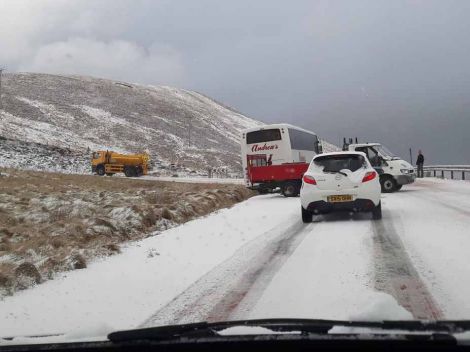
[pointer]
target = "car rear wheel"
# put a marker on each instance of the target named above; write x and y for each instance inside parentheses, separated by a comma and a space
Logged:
(387, 183)
(306, 215)
(377, 212)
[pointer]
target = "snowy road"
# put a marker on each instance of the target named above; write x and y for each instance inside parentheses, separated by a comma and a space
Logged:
(257, 260)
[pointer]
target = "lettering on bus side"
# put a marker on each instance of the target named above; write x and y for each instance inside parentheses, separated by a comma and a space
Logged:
(257, 148)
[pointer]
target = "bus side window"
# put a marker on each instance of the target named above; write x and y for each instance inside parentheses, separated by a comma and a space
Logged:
(301, 140)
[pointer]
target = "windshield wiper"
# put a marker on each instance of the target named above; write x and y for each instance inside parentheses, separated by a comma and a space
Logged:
(305, 328)
(164, 332)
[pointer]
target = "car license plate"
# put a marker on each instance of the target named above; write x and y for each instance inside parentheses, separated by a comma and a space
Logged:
(340, 198)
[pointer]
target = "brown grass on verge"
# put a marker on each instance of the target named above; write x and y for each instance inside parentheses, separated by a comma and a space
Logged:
(53, 222)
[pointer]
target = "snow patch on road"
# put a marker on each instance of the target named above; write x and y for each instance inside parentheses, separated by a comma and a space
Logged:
(378, 306)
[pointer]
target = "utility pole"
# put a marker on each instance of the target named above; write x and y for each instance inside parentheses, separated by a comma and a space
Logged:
(411, 158)
(1, 71)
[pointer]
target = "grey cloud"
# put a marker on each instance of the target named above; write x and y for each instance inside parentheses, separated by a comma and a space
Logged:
(114, 59)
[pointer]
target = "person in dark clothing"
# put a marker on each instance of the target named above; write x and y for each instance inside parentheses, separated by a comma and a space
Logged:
(420, 163)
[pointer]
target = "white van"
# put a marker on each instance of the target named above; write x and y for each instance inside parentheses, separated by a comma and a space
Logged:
(394, 171)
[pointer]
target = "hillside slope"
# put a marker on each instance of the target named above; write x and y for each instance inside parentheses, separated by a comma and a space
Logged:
(48, 115)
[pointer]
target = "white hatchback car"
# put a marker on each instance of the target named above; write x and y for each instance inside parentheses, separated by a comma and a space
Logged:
(340, 181)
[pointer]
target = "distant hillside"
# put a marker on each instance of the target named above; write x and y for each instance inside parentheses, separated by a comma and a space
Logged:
(51, 122)
(329, 148)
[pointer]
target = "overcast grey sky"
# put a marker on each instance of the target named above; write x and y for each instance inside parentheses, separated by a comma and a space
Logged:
(392, 71)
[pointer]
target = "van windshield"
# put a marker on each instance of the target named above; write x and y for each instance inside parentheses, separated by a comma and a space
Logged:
(384, 152)
(335, 163)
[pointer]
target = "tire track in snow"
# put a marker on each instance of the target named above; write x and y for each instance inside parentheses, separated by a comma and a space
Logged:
(449, 205)
(237, 283)
(396, 275)
(240, 301)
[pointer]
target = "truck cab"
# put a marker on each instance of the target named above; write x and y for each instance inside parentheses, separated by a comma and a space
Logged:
(394, 172)
(98, 158)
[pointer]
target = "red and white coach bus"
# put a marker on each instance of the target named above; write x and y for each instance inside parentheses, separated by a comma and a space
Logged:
(277, 156)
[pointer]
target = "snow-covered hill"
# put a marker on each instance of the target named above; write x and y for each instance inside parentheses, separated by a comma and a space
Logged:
(48, 115)
(328, 147)
(36, 156)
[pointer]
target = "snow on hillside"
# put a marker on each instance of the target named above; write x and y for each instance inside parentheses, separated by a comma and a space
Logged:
(33, 156)
(78, 114)
(182, 130)
(329, 148)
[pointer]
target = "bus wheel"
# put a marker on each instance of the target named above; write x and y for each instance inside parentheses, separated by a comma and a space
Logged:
(100, 170)
(289, 189)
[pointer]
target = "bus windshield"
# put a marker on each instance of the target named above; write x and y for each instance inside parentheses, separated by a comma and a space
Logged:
(263, 136)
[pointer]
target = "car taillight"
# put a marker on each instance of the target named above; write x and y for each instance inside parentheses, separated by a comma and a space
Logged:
(309, 179)
(369, 176)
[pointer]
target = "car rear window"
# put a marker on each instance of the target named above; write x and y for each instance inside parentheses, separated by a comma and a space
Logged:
(336, 163)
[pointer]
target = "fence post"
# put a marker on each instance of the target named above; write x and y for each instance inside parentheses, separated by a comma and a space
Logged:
(442, 173)
(451, 174)
(434, 173)
(463, 175)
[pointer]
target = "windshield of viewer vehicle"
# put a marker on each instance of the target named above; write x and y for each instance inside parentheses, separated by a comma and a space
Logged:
(165, 163)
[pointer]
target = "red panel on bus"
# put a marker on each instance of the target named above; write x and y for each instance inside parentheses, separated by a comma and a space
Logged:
(283, 172)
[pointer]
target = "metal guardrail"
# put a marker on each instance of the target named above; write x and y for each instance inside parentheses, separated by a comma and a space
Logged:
(444, 170)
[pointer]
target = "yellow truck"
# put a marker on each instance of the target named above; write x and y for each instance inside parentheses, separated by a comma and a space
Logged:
(105, 162)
